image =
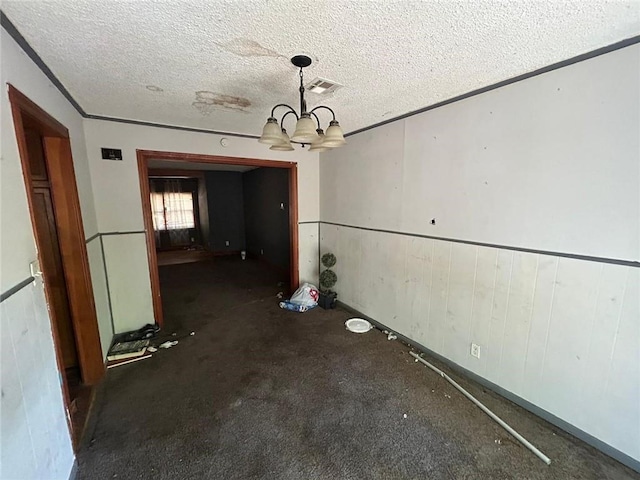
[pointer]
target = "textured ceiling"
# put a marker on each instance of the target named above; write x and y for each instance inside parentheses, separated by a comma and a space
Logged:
(222, 65)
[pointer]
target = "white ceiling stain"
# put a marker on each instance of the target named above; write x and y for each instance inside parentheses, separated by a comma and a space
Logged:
(245, 47)
(391, 56)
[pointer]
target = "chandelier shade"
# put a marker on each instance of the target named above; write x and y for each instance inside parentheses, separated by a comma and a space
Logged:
(317, 145)
(334, 137)
(307, 129)
(271, 134)
(284, 145)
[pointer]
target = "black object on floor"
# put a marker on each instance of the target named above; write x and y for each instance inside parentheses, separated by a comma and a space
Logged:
(143, 333)
(263, 393)
(328, 300)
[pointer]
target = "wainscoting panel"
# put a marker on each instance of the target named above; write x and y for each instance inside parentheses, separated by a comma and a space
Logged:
(561, 333)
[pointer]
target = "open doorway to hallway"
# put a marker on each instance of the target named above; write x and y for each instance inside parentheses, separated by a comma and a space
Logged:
(208, 208)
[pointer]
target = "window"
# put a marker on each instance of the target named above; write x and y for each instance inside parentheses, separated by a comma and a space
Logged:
(172, 210)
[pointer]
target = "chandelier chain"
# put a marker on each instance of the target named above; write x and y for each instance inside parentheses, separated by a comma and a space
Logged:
(306, 133)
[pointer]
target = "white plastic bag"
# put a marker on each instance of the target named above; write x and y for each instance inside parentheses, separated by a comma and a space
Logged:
(306, 295)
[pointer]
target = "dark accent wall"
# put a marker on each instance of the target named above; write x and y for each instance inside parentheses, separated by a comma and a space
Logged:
(226, 212)
(203, 212)
(266, 223)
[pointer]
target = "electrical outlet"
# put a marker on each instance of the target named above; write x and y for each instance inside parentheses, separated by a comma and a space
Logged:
(475, 350)
(226, 243)
(262, 251)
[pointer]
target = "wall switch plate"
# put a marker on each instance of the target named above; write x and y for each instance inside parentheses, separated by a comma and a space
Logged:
(262, 251)
(226, 242)
(34, 269)
(111, 154)
(475, 350)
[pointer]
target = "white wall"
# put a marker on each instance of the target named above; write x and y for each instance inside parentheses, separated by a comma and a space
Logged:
(19, 247)
(99, 282)
(35, 438)
(130, 290)
(118, 205)
(548, 163)
(560, 173)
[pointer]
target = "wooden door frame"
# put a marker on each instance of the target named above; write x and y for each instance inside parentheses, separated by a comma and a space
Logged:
(68, 218)
(143, 173)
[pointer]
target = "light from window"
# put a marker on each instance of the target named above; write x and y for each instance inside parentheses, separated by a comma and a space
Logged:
(172, 211)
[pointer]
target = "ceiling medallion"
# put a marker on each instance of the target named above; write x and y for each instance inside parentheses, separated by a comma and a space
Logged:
(306, 132)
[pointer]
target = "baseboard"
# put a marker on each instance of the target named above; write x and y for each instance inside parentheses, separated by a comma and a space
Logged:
(547, 416)
(225, 253)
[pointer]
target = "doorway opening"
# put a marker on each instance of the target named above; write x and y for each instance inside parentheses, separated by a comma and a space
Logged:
(179, 212)
(47, 165)
(173, 189)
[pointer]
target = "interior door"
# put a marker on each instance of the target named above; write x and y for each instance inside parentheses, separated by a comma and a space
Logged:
(50, 256)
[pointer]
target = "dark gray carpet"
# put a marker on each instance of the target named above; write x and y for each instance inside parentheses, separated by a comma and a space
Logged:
(259, 392)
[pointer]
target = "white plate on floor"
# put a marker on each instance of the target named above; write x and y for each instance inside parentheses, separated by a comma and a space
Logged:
(358, 325)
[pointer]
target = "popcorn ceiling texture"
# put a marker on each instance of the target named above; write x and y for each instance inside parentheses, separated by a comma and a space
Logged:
(392, 57)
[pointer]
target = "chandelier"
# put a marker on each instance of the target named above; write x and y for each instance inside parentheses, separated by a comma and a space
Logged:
(308, 131)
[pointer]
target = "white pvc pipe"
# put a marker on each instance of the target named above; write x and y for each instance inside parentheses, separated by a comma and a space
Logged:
(504, 425)
(126, 362)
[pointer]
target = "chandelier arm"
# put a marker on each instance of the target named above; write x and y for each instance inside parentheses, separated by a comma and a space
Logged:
(273, 110)
(317, 119)
(326, 108)
(282, 123)
(285, 115)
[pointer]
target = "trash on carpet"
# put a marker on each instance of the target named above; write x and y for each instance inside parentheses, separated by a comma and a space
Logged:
(143, 333)
(404, 416)
(132, 344)
(303, 299)
(358, 325)
(128, 349)
(390, 335)
(280, 295)
(287, 305)
(124, 352)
